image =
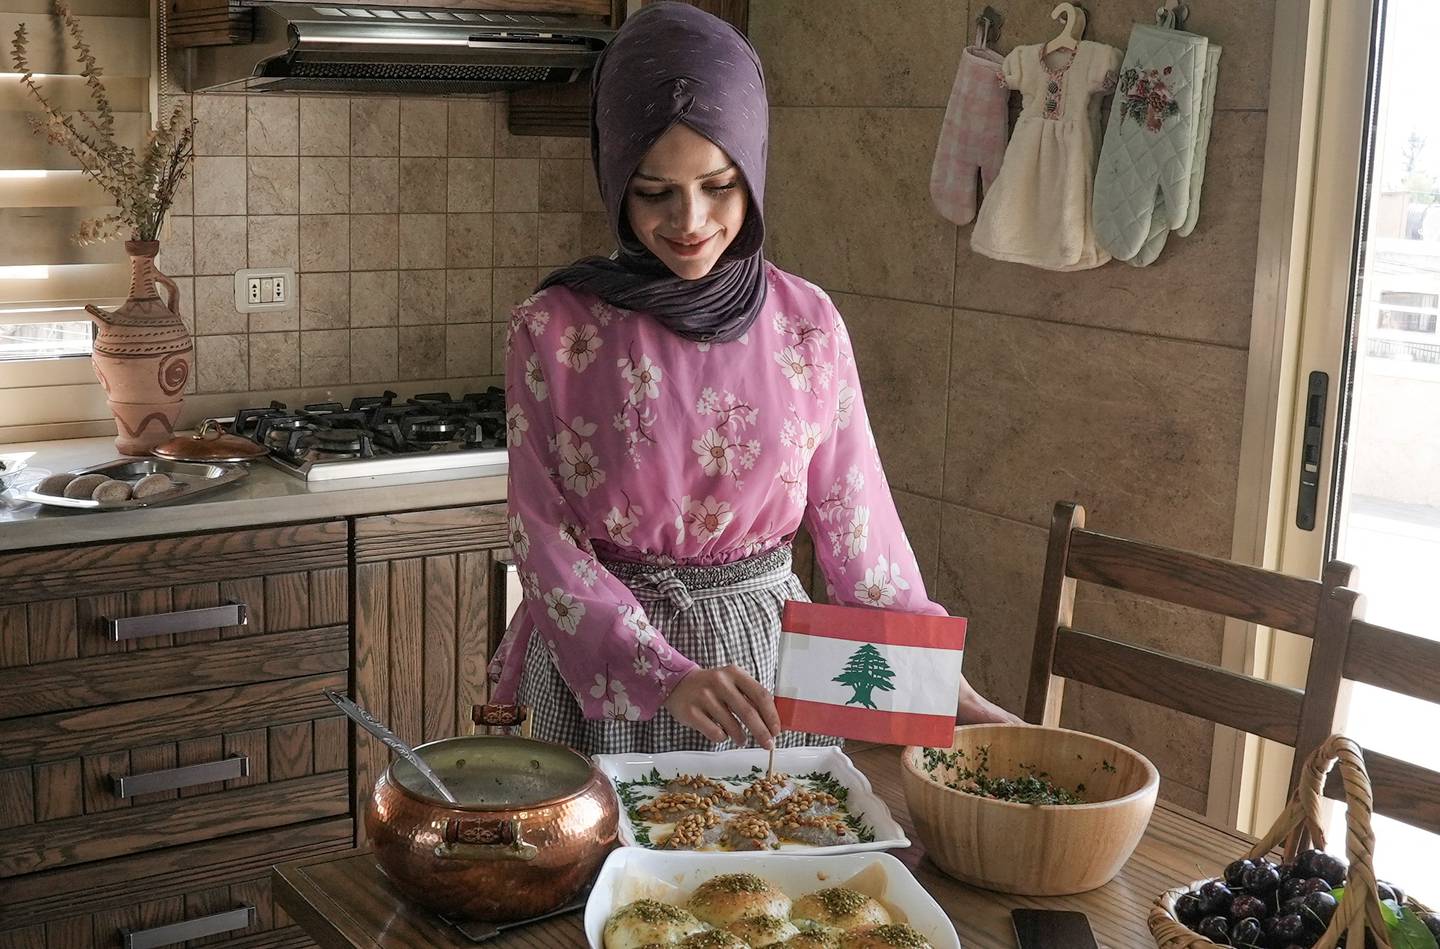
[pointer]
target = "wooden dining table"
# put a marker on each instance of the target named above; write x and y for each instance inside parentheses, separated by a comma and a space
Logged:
(344, 901)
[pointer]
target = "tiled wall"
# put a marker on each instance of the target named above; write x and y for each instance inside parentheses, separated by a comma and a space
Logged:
(413, 225)
(997, 389)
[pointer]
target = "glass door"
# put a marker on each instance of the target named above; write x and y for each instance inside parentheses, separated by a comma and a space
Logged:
(1366, 485)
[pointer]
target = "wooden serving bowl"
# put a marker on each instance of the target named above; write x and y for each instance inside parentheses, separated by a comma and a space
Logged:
(1033, 849)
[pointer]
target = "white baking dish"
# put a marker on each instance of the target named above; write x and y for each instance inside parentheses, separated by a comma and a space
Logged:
(628, 870)
(861, 799)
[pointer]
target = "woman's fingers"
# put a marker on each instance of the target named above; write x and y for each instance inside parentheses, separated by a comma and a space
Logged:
(743, 707)
(761, 700)
(721, 711)
(698, 719)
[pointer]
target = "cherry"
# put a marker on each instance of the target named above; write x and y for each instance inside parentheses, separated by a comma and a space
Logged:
(1289, 928)
(1245, 932)
(1187, 909)
(1246, 906)
(1315, 885)
(1331, 869)
(1215, 897)
(1235, 873)
(1215, 929)
(1291, 888)
(1317, 910)
(1262, 879)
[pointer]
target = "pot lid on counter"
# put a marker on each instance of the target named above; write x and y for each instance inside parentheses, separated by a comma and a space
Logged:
(211, 443)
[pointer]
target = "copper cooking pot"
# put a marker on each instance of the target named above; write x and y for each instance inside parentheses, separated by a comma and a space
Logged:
(534, 822)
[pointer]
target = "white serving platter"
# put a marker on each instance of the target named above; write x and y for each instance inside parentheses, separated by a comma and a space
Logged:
(628, 870)
(861, 800)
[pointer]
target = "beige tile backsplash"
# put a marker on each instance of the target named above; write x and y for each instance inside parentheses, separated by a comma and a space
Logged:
(996, 389)
(414, 225)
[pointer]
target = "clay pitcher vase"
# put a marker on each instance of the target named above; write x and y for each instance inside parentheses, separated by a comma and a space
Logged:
(143, 355)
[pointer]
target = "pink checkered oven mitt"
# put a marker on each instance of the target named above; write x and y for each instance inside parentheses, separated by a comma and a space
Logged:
(972, 137)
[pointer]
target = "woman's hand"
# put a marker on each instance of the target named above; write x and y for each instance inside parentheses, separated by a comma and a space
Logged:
(716, 702)
(976, 709)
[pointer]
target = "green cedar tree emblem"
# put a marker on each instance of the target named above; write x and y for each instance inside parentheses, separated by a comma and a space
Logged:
(865, 672)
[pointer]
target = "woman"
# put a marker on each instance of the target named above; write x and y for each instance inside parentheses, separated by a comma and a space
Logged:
(674, 411)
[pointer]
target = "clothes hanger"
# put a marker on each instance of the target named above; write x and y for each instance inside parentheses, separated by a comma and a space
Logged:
(1173, 14)
(1070, 35)
(987, 27)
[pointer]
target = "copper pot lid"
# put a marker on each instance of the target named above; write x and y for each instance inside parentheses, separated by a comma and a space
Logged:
(210, 444)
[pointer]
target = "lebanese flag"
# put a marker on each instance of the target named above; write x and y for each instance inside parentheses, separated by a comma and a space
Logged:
(868, 674)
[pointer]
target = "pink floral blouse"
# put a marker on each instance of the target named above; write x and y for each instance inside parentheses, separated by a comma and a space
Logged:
(629, 441)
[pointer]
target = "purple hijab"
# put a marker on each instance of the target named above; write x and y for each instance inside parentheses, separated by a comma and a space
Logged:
(669, 63)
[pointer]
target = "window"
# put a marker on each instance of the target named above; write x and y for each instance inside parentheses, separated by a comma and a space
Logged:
(45, 277)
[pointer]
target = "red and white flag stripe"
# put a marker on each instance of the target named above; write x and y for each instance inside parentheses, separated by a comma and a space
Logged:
(871, 675)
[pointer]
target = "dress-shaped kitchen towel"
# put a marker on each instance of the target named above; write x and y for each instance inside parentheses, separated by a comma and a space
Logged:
(631, 443)
(1038, 212)
(1159, 229)
(1151, 142)
(972, 136)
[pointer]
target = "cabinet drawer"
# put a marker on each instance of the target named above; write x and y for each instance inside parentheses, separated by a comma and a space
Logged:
(238, 914)
(93, 784)
(65, 606)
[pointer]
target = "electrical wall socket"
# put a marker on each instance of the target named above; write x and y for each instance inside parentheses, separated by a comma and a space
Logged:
(264, 288)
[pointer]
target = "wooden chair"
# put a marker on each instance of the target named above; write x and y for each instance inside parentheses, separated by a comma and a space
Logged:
(1390, 660)
(1320, 609)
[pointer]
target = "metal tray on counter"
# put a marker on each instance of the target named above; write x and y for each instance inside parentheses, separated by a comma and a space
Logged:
(191, 479)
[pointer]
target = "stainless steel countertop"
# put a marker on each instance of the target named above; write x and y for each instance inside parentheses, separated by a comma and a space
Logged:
(268, 496)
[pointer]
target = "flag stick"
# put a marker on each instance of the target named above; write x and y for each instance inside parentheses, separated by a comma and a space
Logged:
(770, 768)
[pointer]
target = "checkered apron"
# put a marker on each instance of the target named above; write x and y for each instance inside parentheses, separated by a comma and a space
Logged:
(713, 615)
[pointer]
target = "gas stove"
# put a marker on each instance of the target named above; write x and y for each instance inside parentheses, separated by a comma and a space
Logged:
(380, 434)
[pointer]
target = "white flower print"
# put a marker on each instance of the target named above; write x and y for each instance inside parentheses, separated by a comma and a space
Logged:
(637, 621)
(845, 405)
(574, 535)
(579, 468)
(535, 378)
(715, 451)
(619, 707)
(519, 539)
(708, 518)
(516, 425)
(875, 589)
(619, 524)
(881, 584)
(600, 687)
(792, 475)
(578, 345)
(584, 571)
(808, 439)
(603, 312)
(857, 532)
(642, 665)
(795, 367)
(564, 610)
(643, 377)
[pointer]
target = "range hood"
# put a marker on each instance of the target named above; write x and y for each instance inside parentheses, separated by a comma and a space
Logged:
(300, 48)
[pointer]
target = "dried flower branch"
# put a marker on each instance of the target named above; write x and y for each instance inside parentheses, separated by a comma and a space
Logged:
(143, 186)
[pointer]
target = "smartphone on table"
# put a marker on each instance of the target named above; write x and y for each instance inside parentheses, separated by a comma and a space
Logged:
(1052, 929)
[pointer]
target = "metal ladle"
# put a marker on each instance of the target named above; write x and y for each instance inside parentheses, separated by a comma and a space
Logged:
(391, 740)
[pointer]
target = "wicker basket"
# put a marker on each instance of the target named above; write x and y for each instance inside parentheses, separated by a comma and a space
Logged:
(1299, 827)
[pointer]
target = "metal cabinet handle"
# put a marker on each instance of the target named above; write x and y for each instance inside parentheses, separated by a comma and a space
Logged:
(129, 785)
(212, 925)
(180, 621)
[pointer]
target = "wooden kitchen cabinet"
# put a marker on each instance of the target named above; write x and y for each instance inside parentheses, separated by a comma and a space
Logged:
(427, 617)
(157, 753)
(565, 110)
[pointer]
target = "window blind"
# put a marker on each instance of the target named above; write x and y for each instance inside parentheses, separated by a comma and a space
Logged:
(45, 277)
